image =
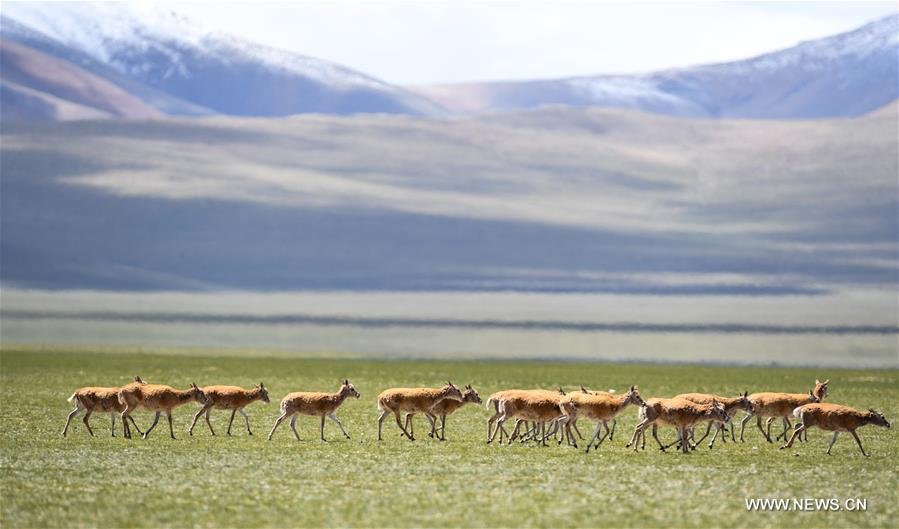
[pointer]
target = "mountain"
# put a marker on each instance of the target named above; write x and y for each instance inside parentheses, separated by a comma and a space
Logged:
(39, 86)
(180, 68)
(555, 199)
(848, 74)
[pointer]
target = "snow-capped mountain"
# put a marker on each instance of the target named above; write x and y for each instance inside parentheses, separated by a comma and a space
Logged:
(212, 71)
(844, 75)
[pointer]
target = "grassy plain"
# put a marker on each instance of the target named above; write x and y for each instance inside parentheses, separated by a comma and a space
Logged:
(239, 481)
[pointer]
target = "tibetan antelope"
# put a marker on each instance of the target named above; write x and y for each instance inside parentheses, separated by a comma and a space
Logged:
(229, 398)
(448, 407)
(158, 398)
(835, 418)
(412, 401)
(100, 400)
(597, 407)
(774, 405)
(495, 400)
(316, 404)
(539, 406)
(678, 413)
(731, 406)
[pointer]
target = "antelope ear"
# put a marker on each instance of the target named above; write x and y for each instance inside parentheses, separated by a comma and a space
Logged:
(261, 385)
(633, 388)
(825, 382)
(346, 382)
(817, 381)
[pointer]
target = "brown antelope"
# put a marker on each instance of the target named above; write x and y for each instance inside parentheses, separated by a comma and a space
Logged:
(412, 401)
(597, 407)
(773, 405)
(100, 400)
(448, 407)
(496, 400)
(731, 406)
(835, 418)
(540, 406)
(678, 413)
(229, 398)
(315, 404)
(158, 398)
(571, 422)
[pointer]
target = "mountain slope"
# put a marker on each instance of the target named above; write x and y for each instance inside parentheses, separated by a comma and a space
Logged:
(28, 73)
(848, 74)
(550, 200)
(167, 53)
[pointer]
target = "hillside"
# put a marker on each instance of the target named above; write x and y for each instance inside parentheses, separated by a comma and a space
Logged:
(848, 74)
(548, 200)
(181, 68)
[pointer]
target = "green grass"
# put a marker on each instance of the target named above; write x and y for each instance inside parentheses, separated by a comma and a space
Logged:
(50, 481)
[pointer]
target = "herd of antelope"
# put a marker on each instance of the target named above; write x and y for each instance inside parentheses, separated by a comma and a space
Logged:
(539, 415)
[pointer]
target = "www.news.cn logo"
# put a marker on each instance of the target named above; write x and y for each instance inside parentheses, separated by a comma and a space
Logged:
(806, 504)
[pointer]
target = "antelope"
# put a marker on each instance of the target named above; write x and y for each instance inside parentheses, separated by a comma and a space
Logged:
(572, 421)
(496, 401)
(679, 413)
(315, 404)
(731, 406)
(773, 405)
(158, 398)
(412, 401)
(597, 407)
(448, 407)
(835, 418)
(102, 400)
(229, 398)
(540, 406)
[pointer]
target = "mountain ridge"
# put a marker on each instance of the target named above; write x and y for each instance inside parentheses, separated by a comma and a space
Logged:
(847, 74)
(199, 71)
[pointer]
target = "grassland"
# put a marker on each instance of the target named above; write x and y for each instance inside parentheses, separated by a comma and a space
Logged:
(205, 481)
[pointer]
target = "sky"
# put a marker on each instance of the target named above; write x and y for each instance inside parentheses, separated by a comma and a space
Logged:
(440, 42)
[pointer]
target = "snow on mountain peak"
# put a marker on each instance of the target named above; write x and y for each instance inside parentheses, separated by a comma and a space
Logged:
(119, 33)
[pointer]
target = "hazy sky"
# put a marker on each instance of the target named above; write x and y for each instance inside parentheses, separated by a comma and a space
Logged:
(428, 42)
